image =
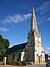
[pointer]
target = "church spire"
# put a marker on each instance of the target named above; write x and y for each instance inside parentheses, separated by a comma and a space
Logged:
(33, 22)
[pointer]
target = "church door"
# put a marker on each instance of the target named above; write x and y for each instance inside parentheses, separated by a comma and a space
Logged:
(39, 59)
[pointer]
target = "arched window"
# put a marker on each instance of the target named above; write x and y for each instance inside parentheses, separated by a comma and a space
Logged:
(13, 56)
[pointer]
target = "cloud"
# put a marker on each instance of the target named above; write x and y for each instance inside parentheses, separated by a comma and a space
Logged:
(49, 19)
(43, 12)
(16, 18)
(46, 52)
(48, 48)
(42, 20)
(44, 7)
(4, 29)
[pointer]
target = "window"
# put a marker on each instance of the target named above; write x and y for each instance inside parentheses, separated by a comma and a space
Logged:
(13, 56)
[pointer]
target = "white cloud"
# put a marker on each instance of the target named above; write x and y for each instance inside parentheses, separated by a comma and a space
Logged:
(43, 12)
(48, 48)
(16, 18)
(42, 20)
(49, 19)
(4, 29)
(44, 7)
(46, 52)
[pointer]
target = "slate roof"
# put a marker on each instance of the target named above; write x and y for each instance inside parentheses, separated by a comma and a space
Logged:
(16, 48)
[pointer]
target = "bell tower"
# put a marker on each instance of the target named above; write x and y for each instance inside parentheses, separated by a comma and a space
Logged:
(34, 46)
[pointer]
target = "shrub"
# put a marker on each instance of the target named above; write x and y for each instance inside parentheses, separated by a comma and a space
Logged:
(13, 63)
(19, 63)
(23, 62)
(1, 58)
(8, 59)
(16, 63)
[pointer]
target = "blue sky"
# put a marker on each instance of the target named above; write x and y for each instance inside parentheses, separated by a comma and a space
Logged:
(15, 20)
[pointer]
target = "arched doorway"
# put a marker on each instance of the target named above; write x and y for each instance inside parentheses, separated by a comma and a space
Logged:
(39, 58)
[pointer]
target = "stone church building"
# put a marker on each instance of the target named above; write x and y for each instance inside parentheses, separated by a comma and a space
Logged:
(32, 50)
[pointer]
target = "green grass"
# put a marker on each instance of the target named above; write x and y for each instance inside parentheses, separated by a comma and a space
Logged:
(1, 62)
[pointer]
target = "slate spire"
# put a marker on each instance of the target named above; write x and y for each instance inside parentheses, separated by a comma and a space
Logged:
(33, 21)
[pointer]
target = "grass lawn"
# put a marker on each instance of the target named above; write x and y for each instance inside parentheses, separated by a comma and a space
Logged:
(1, 62)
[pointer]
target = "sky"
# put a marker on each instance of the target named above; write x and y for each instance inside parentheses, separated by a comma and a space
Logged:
(15, 20)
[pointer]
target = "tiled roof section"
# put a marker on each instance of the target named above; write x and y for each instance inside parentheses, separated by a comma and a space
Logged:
(16, 48)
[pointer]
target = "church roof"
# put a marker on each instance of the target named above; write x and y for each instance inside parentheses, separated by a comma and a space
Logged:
(16, 48)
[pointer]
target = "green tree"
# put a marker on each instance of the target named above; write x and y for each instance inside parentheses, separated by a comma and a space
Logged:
(1, 43)
(4, 44)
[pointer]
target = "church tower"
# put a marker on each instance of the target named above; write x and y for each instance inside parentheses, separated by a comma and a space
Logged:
(34, 49)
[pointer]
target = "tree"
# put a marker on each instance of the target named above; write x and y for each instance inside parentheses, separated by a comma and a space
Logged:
(1, 43)
(4, 44)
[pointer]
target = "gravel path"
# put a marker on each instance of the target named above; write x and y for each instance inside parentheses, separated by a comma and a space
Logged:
(10, 66)
(34, 65)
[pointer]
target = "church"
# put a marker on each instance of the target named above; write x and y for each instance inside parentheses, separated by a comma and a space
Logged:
(32, 50)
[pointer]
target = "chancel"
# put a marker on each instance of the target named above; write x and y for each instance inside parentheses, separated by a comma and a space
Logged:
(32, 51)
